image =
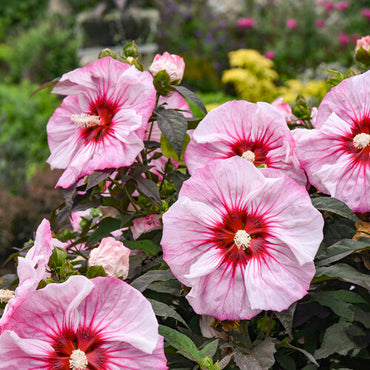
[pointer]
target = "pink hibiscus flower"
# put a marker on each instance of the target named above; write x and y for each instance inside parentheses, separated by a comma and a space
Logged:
(336, 155)
(101, 323)
(101, 124)
(31, 269)
(238, 237)
(255, 131)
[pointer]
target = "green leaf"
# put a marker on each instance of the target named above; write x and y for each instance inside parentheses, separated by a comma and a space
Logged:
(306, 353)
(149, 189)
(184, 345)
(343, 272)
(340, 250)
(169, 152)
(334, 205)
(164, 310)
(286, 319)
(336, 340)
(143, 281)
(105, 227)
(188, 94)
(209, 349)
(340, 308)
(172, 287)
(173, 126)
(260, 358)
(96, 177)
(145, 245)
(45, 85)
(95, 271)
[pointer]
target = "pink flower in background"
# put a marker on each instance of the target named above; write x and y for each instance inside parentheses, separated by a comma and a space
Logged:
(270, 54)
(255, 131)
(113, 256)
(343, 38)
(101, 123)
(237, 236)
(363, 42)
(143, 225)
(342, 5)
(366, 13)
(320, 23)
(31, 269)
(336, 155)
(291, 23)
(245, 23)
(284, 109)
(101, 323)
(173, 64)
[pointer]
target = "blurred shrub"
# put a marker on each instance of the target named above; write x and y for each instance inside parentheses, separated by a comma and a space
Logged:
(40, 54)
(21, 214)
(23, 140)
(253, 78)
(19, 14)
(251, 75)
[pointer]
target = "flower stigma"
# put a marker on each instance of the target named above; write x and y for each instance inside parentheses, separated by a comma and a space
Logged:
(6, 295)
(361, 141)
(86, 120)
(249, 156)
(78, 360)
(242, 239)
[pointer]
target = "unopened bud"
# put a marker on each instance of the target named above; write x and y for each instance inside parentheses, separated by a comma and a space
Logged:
(107, 53)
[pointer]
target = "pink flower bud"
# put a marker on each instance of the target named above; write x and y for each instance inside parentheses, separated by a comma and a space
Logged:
(342, 5)
(291, 23)
(173, 64)
(113, 256)
(144, 224)
(363, 42)
(320, 23)
(270, 54)
(245, 23)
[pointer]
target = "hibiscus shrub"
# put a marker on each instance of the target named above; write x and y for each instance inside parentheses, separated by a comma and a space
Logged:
(241, 236)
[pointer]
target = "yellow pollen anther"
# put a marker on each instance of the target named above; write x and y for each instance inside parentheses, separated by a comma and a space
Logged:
(361, 141)
(249, 156)
(6, 295)
(242, 239)
(85, 120)
(78, 360)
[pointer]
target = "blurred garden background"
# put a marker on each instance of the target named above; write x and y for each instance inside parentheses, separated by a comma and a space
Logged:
(257, 50)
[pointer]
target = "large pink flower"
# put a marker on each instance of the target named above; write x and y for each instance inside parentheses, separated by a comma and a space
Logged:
(254, 131)
(101, 124)
(31, 269)
(243, 239)
(101, 323)
(336, 155)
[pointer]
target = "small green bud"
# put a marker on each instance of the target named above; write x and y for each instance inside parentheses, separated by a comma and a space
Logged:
(107, 53)
(134, 62)
(131, 50)
(57, 258)
(162, 82)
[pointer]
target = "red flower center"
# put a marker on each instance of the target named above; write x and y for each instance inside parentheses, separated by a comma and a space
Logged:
(227, 233)
(83, 339)
(259, 149)
(105, 110)
(355, 143)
